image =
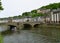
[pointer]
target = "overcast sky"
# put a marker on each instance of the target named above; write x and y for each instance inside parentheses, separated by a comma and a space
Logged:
(17, 7)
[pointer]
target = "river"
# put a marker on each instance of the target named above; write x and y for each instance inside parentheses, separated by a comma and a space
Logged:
(26, 36)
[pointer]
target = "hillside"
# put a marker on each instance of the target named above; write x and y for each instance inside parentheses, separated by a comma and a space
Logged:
(51, 6)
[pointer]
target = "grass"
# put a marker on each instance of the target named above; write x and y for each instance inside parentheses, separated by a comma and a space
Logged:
(1, 38)
(7, 32)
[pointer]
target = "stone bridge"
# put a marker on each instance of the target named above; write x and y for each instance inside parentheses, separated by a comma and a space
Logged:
(23, 22)
(22, 25)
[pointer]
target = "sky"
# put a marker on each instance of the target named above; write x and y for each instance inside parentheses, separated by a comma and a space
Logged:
(17, 7)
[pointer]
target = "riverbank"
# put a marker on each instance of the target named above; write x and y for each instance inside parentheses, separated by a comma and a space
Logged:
(1, 38)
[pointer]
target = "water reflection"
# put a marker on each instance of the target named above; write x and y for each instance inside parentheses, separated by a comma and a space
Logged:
(3, 28)
(53, 34)
(28, 36)
(37, 35)
(25, 36)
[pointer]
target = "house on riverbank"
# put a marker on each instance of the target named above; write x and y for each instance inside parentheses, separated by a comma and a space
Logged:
(53, 16)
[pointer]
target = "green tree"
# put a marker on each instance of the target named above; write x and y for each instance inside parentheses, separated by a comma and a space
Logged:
(51, 6)
(1, 8)
(1, 38)
(34, 11)
(26, 14)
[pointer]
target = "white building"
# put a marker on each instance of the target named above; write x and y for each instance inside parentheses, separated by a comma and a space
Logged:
(43, 11)
(3, 21)
(55, 16)
(39, 19)
(17, 20)
(28, 19)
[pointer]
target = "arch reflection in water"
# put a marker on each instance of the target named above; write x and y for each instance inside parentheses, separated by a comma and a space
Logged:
(36, 25)
(27, 26)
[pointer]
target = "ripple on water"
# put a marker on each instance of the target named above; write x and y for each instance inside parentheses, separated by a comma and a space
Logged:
(26, 36)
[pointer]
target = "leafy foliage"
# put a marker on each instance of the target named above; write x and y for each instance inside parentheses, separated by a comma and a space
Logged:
(34, 11)
(51, 6)
(26, 14)
(1, 38)
(33, 14)
(1, 8)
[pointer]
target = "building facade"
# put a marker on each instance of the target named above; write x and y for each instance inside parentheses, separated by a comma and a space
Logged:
(55, 16)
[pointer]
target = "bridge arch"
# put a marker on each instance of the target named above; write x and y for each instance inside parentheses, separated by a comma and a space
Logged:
(12, 27)
(36, 25)
(27, 26)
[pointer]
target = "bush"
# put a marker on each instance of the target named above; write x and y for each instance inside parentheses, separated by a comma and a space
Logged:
(1, 39)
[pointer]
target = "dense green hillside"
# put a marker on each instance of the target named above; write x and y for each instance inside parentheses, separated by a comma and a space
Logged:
(51, 6)
(34, 13)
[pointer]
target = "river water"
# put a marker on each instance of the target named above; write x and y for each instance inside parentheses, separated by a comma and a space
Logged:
(3, 28)
(26, 36)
